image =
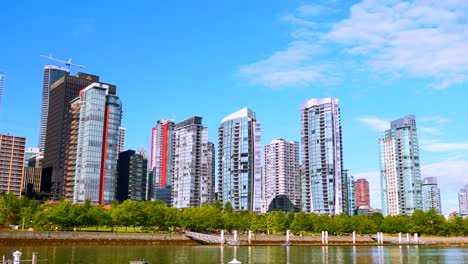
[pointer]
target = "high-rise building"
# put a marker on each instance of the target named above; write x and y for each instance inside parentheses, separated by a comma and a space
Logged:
(121, 139)
(92, 146)
(2, 86)
(322, 158)
(161, 160)
(400, 176)
(51, 75)
(431, 195)
(12, 150)
(239, 161)
(348, 190)
(131, 176)
(62, 92)
(463, 200)
(32, 176)
(361, 194)
(30, 152)
(193, 179)
(282, 179)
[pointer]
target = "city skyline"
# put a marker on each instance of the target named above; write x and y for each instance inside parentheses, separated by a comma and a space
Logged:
(293, 53)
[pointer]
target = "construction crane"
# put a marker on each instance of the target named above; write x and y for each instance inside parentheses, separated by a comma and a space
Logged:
(68, 63)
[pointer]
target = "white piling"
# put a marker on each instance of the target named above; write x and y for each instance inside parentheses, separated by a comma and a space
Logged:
(354, 237)
(235, 235)
(222, 237)
(287, 236)
(378, 237)
(34, 258)
(323, 237)
(416, 238)
(16, 257)
(407, 237)
(399, 238)
(326, 237)
(250, 236)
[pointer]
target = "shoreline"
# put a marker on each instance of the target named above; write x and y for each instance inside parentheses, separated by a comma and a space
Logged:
(26, 238)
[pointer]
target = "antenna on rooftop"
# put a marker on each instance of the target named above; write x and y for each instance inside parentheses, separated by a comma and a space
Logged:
(68, 63)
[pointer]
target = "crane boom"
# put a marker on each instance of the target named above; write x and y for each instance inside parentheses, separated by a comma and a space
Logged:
(68, 63)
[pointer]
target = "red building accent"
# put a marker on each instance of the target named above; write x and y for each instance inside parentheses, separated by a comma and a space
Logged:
(164, 156)
(361, 194)
(104, 154)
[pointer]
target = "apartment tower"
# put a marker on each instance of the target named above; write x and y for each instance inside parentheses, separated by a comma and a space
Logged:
(282, 179)
(361, 194)
(322, 158)
(92, 147)
(121, 139)
(161, 160)
(193, 179)
(239, 161)
(132, 168)
(463, 200)
(431, 195)
(400, 176)
(12, 150)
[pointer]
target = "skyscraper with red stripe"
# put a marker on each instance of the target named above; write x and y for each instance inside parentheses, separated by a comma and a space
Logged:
(161, 160)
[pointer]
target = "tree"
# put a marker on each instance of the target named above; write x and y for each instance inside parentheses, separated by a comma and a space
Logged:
(300, 223)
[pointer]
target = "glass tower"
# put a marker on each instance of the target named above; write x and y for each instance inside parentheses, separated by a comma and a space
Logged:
(463, 200)
(239, 161)
(92, 152)
(322, 178)
(400, 175)
(51, 74)
(431, 194)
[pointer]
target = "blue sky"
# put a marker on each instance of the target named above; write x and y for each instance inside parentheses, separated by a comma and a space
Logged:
(381, 59)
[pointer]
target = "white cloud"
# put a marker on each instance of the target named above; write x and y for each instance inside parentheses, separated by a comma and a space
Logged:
(436, 146)
(375, 123)
(435, 119)
(426, 39)
(421, 38)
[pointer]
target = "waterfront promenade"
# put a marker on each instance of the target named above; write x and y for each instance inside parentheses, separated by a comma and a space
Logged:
(109, 238)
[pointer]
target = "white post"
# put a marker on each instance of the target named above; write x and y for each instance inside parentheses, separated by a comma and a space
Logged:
(416, 238)
(16, 257)
(378, 237)
(326, 237)
(354, 237)
(323, 237)
(287, 236)
(235, 235)
(250, 236)
(381, 238)
(399, 238)
(407, 237)
(222, 237)
(34, 258)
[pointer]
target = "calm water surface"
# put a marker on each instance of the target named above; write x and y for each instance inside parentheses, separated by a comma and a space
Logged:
(257, 254)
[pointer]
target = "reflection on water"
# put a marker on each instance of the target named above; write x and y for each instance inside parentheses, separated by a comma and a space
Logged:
(245, 254)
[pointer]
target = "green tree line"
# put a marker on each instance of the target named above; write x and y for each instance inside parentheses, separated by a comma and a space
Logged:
(156, 216)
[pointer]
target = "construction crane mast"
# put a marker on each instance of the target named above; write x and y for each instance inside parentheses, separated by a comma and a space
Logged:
(68, 63)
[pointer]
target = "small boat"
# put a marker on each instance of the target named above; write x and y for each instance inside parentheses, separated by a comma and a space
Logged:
(140, 262)
(286, 244)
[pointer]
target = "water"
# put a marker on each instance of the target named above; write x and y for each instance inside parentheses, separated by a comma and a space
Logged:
(257, 254)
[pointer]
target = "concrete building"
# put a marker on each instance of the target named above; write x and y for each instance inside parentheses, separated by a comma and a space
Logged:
(239, 161)
(400, 175)
(2, 87)
(463, 200)
(51, 75)
(132, 169)
(121, 139)
(62, 92)
(281, 176)
(431, 195)
(12, 149)
(193, 179)
(361, 194)
(324, 189)
(162, 160)
(92, 147)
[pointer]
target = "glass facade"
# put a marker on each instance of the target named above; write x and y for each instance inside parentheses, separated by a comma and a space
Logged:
(463, 201)
(239, 161)
(322, 174)
(399, 168)
(96, 146)
(431, 195)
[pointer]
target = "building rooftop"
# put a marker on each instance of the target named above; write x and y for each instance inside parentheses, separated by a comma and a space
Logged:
(244, 112)
(315, 101)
